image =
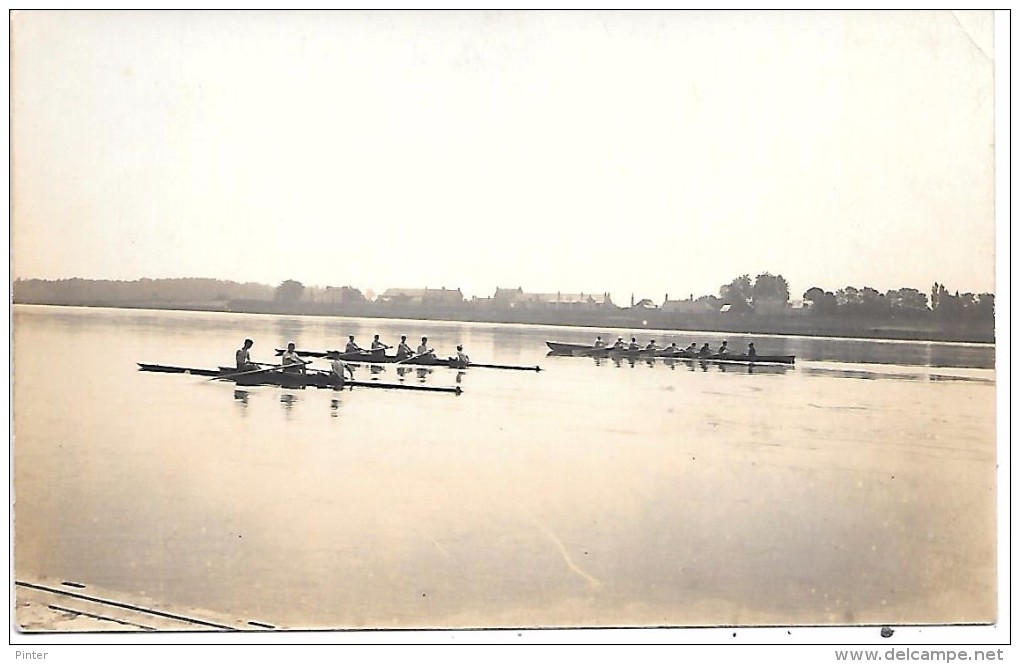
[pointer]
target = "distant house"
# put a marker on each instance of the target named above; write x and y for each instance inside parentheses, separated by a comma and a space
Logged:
(512, 298)
(507, 298)
(442, 297)
(565, 300)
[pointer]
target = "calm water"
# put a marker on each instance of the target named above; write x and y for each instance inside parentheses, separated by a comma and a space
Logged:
(858, 487)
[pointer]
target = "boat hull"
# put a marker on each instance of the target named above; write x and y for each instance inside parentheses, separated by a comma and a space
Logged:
(318, 379)
(381, 357)
(559, 348)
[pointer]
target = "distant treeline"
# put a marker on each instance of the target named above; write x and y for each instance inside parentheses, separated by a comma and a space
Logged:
(755, 306)
(102, 292)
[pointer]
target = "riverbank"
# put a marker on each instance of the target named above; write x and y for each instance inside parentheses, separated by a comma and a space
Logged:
(624, 320)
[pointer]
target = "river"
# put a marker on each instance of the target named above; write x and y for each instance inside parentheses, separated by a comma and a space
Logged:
(857, 487)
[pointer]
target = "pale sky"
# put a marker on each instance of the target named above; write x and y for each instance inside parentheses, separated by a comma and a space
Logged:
(645, 153)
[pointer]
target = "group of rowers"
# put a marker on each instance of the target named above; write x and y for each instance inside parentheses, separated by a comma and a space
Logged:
(292, 362)
(689, 351)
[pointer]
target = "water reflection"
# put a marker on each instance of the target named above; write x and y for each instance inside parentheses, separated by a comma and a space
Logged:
(288, 400)
(691, 364)
(241, 398)
(864, 374)
(334, 407)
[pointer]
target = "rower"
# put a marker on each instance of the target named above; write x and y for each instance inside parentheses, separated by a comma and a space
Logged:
(599, 343)
(339, 366)
(423, 349)
(652, 345)
(291, 361)
(705, 351)
(672, 348)
(723, 349)
(619, 344)
(243, 358)
(751, 352)
(462, 357)
(634, 345)
(378, 346)
(692, 349)
(352, 347)
(403, 350)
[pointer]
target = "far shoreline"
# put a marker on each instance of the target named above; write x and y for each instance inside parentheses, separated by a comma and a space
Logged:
(626, 321)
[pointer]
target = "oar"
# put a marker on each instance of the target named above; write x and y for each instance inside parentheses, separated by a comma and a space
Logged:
(258, 371)
(500, 366)
(414, 357)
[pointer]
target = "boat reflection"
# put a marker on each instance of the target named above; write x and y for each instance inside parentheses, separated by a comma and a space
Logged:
(691, 364)
(288, 401)
(420, 372)
(241, 398)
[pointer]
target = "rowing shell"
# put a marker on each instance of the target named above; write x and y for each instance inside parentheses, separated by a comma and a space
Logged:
(559, 348)
(319, 379)
(380, 357)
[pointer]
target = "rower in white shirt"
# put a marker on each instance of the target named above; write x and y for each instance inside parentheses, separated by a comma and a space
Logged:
(291, 361)
(352, 347)
(403, 350)
(378, 346)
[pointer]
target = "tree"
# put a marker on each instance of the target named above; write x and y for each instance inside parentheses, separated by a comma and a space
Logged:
(289, 291)
(770, 291)
(907, 300)
(822, 302)
(737, 293)
(872, 302)
(709, 302)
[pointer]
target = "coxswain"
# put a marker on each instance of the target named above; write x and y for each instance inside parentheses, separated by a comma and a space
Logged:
(352, 347)
(291, 361)
(599, 343)
(243, 357)
(634, 345)
(378, 346)
(619, 344)
(723, 349)
(705, 351)
(751, 352)
(462, 357)
(403, 350)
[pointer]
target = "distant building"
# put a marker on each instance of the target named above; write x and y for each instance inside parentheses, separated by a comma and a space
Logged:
(514, 298)
(507, 298)
(442, 297)
(566, 300)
